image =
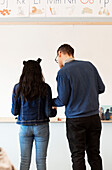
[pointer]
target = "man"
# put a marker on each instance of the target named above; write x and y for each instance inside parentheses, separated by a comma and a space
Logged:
(79, 85)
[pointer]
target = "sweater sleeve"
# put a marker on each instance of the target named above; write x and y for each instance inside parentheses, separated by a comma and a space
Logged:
(63, 88)
(101, 86)
(48, 104)
(15, 105)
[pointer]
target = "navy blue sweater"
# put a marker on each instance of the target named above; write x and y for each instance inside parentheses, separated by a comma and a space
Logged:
(79, 85)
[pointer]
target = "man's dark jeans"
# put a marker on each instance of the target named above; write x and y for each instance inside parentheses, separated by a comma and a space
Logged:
(84, 135)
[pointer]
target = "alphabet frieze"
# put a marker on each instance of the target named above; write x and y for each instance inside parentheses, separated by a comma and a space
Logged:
(55, 8)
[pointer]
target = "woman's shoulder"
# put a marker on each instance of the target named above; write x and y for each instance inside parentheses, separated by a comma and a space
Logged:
(16, 86)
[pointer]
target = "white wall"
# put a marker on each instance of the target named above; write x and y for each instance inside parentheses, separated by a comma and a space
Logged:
(18, 43)
(59, 157)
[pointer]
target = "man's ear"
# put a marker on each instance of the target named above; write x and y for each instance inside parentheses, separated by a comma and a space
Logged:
(59, 54)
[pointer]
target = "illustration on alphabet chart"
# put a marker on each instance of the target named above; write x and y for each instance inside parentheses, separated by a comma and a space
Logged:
(21, 8)
(5, 8)
(37, 8)
(79, 8)
(14, 8)
(55, 8)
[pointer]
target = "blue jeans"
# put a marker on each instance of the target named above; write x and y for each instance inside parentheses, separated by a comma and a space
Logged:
(39, 134)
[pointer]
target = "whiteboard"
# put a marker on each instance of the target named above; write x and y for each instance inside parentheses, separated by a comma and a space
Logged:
(24, 42)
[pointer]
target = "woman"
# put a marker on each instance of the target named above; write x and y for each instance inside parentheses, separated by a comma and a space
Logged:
(32, 102)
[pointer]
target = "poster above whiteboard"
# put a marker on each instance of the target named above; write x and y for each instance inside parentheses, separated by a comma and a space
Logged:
(55, 8)
(14, 8)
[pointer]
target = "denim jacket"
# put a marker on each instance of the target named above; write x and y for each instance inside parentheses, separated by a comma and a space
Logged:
(33, 112)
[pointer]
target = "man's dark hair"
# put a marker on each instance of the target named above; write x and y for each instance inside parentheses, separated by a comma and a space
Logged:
(66, 49)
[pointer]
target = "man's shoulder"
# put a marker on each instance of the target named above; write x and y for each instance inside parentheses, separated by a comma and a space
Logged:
(62, 71)
(73, 65)
(83, 63)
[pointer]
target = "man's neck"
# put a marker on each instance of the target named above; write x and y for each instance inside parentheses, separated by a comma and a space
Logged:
(69, 59)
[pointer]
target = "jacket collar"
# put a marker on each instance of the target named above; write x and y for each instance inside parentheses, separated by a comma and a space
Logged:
(68, 60)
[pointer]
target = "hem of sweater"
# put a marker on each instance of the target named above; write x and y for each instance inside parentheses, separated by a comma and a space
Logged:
(32, 122)
(95, 112)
